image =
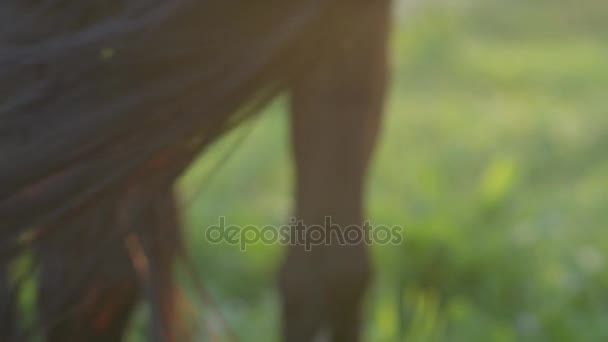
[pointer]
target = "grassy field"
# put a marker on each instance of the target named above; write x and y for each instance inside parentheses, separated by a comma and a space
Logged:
(493, 159)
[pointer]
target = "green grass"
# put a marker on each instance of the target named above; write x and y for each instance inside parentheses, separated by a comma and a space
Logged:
(493, 159)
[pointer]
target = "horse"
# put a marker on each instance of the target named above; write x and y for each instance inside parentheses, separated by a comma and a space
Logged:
(105, 103)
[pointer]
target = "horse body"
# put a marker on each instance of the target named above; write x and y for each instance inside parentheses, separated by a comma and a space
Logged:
(111, 102)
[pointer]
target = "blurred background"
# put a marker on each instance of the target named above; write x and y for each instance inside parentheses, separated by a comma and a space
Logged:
(494, 161)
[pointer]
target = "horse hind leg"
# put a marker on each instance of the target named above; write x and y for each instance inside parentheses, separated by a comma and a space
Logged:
(336, 112)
